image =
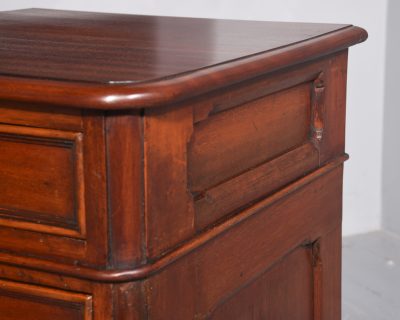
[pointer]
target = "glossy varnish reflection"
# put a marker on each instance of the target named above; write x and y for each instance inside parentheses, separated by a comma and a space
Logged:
(87, 52)
(95, 47)
(170, 168)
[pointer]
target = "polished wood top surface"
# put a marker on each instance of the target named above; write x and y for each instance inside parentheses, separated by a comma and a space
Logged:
(116, 61)
(98, 47)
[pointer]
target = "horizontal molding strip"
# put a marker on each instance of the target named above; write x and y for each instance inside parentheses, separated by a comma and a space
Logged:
(147, 270)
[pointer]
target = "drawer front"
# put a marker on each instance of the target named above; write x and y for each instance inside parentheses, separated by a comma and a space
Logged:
(52, 185)
(42, 187)
(258, 146)
(26, 302)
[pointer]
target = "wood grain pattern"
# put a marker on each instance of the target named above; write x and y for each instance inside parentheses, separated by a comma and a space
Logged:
(229, 197)
(156, 168)
(231, 142)
(125, 186)
(280, 293)
(247, 91)
(79, 173)
(169, 205)
(150, 269)
(130, 301)
(95, 169)
(279, 46)
(41, 116)
(335, 107)
(159, 47)
(331, 264)
(20, 301)
(303, 217)
(48, 192)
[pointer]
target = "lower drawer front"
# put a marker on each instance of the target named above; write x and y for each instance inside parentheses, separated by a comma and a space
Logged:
(279, 293)
(26, 302)
(276, 262)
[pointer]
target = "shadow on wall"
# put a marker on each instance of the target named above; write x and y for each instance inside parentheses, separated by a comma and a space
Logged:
(391, 124)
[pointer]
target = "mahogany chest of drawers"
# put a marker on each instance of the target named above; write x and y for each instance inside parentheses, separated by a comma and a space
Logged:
(156, 168)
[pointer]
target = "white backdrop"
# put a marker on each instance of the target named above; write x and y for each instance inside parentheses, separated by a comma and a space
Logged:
(391, 145)
(362, 190)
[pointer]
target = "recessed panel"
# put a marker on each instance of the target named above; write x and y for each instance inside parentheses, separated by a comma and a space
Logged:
(41, 180)
(284, 292)
(241, 154)
(26, 302)
(236, 140)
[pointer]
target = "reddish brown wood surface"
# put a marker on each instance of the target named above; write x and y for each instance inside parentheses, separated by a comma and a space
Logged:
(222, 201)
(47, 189)
(298, 219)
(54, 188)
(126, 189)
(270, 47)
(229, 197)
(232, 142)
(41, 116)
(20, 301)
(165, 142)
(101, 47)
(279, 293)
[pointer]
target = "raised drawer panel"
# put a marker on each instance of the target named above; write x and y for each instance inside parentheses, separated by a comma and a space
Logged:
(27, 302)
(242, 153)
(238, 139)
(47, 193)
(52, 186)
(208, 162)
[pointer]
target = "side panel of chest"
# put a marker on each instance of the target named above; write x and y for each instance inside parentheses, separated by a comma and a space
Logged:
(211, 158)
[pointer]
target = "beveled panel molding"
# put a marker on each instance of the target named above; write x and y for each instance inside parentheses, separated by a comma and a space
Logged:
(48, 193)
(34, 302)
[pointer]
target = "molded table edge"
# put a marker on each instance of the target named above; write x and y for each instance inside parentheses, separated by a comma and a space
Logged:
(174, 89)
